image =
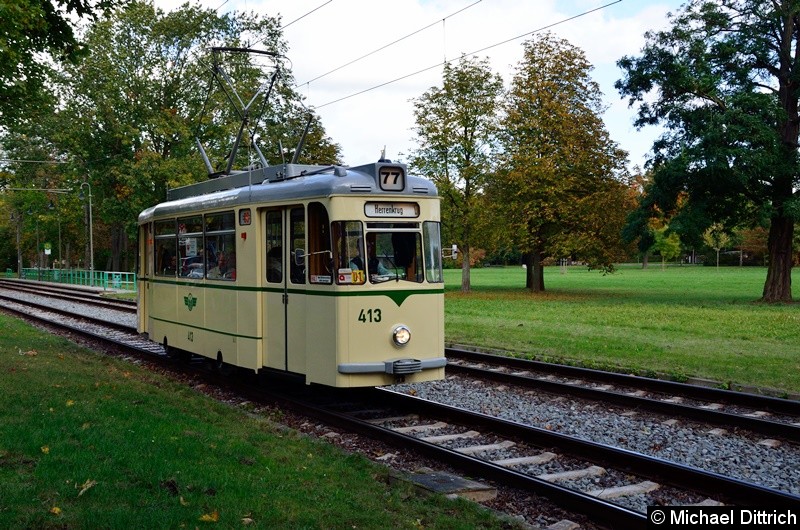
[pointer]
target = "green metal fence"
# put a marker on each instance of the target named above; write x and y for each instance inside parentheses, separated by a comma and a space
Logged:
(109, 280)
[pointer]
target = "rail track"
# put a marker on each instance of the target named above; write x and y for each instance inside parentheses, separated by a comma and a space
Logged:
(767, 415)
(607, 485)
(85, 295)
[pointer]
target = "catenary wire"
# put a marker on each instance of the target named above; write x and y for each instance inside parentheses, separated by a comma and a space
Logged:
(389, 44)
(537, 30)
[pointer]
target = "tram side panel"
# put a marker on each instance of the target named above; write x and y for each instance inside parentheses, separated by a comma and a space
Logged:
(325, 337)
(247, 304)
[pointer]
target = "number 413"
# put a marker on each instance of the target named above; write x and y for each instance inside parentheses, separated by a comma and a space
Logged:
(369, 315)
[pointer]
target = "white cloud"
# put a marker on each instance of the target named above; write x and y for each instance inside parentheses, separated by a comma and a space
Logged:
(341, 31)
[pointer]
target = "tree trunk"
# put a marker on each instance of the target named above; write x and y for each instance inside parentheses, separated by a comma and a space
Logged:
(126, 255)
(534, 278)
(116, 245)
(645, 260)
(465, 279)
(778, 286)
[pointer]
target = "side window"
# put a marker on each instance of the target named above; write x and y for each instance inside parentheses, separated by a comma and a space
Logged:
(320, 259)
(433, 251)
(297, 238)
(220, 249)
(165, 249)
(348, 237)
(274, 247)
(190, 247)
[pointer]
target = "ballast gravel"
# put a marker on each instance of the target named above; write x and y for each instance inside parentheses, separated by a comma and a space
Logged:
(735, 454)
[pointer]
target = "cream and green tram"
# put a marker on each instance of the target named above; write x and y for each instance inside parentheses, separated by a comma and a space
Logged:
(333, 273)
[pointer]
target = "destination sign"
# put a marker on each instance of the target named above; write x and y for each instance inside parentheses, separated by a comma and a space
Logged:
(391, 209)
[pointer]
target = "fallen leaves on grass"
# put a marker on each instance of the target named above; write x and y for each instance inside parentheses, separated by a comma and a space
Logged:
(45, 449)
(212, 517)
(86, 486)
(55, 510)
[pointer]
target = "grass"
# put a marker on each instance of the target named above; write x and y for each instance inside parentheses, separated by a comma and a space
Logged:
(88, 441)
(679, 321)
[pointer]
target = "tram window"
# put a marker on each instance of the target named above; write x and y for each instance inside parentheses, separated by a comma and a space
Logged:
(220, 222)
(297, 238)
(165, 227)
(432, 241)
(394, 256)
(274, 247)
(165, 252)
(319, 244)
(190, 247)
(348, 239)
(399, 253)
(220, 246)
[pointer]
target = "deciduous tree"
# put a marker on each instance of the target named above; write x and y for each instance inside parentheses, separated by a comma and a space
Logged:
(133, 108)
(455, 126)
(558, 187)
(31, 32)
(715, 237)
(668, 244)
(724, 81)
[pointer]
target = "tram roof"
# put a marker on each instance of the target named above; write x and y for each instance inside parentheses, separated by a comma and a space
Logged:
(287, 182)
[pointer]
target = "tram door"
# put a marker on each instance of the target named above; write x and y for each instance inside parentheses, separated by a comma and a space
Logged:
(285, 295)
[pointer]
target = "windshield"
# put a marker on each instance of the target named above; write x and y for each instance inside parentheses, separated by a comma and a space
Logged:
(377, 256)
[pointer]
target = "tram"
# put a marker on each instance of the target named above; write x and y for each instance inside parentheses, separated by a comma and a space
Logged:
(330, 272)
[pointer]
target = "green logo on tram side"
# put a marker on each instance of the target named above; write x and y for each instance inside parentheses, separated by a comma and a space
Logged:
(190, 301)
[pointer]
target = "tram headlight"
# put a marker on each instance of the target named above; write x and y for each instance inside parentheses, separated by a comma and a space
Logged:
(401, 335)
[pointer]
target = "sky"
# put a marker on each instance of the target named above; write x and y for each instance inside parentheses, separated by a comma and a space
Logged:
(365, 103)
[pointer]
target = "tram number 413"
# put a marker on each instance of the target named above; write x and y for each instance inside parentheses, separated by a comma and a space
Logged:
(369, 315)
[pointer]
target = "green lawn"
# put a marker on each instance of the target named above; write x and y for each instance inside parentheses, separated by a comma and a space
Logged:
(679, 321)
(88, 441)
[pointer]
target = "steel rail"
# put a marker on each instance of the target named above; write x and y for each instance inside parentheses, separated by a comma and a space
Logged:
(87, 297)
(64, 312)
(773, 404)
(732, 490)
(767, 427)
(608, 514)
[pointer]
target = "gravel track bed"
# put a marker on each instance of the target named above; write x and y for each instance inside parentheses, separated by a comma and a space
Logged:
(103, 313)
(735, 454)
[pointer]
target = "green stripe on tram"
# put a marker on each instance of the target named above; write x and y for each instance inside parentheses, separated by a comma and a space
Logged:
(184, 324)
(398, 297)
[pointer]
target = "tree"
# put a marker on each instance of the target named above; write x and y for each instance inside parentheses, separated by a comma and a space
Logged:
(132, 109)
(558, 192)
(716, 237)
(29, 29)
(639, 225)
(668, 244)
(724, 83)
(456, 125)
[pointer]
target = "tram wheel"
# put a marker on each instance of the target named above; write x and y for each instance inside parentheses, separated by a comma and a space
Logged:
(171, 352)
(220, 366)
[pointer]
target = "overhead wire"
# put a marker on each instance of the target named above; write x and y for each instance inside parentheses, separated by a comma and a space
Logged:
(390, 44)
(295, 20)
(304, 16)
(446, 61)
